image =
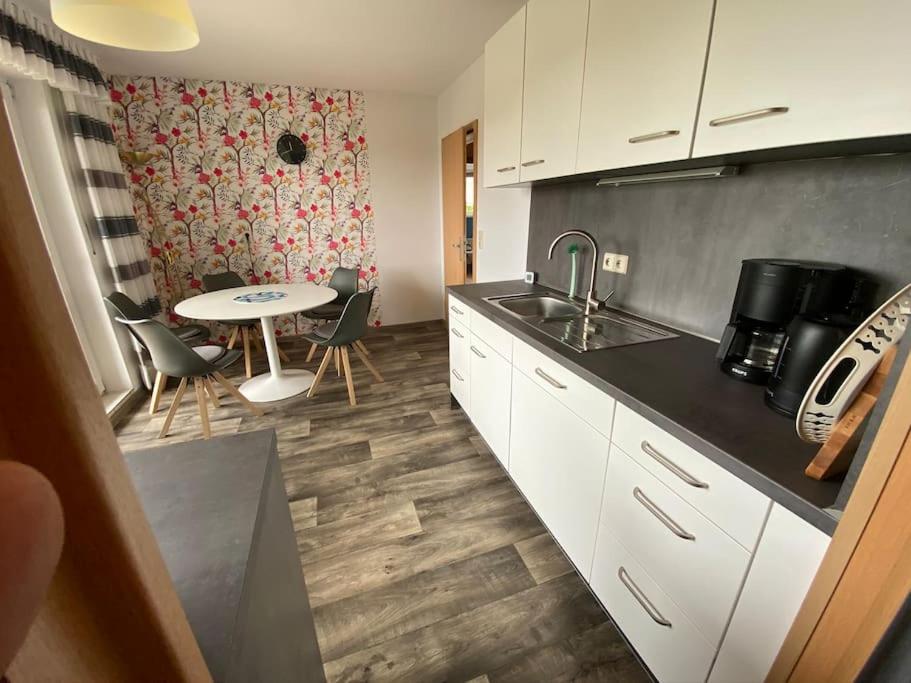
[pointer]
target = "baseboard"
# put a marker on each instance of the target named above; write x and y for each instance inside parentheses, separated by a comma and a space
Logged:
(126, 405)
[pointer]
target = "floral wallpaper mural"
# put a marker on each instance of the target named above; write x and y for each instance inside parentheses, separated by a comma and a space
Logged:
(214, 195)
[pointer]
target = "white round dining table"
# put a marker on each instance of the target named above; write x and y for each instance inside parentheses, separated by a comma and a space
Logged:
(263, 302)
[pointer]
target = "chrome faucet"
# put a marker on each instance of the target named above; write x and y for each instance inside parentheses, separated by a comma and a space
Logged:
(590, 300)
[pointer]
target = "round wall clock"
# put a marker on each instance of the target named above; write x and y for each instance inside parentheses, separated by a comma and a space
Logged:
(291, 149)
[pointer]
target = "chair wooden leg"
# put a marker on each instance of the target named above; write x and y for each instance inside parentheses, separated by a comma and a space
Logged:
(211, 391)
(248, 361)
(181, 388)
(161, 381)
(330, 352)
(348, 379)
(338, 362)
(233, 390)
(359, 344)
(366, 361)
(255, 336)
(200, 387)
(282, 354)
(232, 340)
(311, 352)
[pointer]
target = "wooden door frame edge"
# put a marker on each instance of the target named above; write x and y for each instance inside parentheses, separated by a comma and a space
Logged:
(884, 452)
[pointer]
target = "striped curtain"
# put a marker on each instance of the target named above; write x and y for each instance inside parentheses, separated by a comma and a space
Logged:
(104, 193)
(35, 49)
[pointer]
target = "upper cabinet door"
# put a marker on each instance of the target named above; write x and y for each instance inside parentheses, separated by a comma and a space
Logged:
(787, 73)
(554, 63)
(504, 67)
(643, 70)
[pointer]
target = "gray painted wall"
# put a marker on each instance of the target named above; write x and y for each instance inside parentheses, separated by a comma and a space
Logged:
(686, 239)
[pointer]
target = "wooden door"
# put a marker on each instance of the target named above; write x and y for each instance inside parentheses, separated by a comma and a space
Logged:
(111, 613)
(554, 64)
(454, 208)
(839, 68)
(504, 66)
(643, 71)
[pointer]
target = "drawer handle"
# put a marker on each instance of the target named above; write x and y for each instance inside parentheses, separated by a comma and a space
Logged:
(457, 375)
(457, 311)
(650, 451)
(534, 162)
(748, 116)
(653, 136)
(662, 516)
(477, 353)
(550, 380)
(637, 593)
(506, 169)
(457, 333)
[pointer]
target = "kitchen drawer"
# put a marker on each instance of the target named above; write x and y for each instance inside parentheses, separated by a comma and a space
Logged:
(732, 504)
(699, 566)
(492, 334)
(585, 400)
(666, 640)
(460, 364)
(459, 312)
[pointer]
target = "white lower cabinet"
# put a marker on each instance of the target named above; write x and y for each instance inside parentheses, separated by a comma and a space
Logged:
(460, 364)
(668, 642)
(789, 554)
(490, 383)
(558, 462)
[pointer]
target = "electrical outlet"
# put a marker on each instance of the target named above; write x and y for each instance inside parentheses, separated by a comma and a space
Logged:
(607, 262)
(621, 263)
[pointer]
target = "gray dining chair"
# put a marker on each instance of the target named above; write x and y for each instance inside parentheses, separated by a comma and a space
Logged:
(248, 330)
(173, 358)
(344, 282)
(348, 331)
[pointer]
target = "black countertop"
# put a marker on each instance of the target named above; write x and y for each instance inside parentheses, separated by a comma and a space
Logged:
(677, 385)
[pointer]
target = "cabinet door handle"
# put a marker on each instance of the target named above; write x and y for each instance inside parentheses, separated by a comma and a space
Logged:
(650, 451)
(457, 375)
(505, 169)
(534, 162)
(653, 136)
(457, 333)
(550, 380)
(457, 311)
(637, 593)
(477, 353)
(748, 116)
(662, 516)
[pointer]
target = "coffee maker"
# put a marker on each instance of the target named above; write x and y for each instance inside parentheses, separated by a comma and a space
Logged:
(771, 293)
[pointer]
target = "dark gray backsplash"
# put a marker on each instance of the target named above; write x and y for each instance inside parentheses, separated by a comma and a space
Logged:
(686, 239)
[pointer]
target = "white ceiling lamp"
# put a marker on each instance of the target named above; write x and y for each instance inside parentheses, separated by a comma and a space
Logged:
(148, 25)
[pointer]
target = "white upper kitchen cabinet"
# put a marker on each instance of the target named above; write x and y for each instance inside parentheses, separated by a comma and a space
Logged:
(643, 70)
(504, 68)
(554, 64)
(786, 73)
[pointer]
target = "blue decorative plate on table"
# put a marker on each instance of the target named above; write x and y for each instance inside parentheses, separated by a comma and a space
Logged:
(260, 297)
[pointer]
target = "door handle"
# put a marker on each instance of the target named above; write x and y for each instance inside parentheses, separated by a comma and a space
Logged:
(476, 352)
(457, 375)
(506, 169)
(534, 162)
(660, 458)
(653, 136)
(550, 380)
(662, 516)
(637, 593)
(748, 116)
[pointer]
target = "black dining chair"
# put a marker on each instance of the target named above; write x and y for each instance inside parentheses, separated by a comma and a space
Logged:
(344, 281)
(119, 305)
(173, 358)
(348, 331)
(247, 329)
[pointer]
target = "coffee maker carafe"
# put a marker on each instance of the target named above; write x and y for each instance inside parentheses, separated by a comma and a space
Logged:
(769, 294)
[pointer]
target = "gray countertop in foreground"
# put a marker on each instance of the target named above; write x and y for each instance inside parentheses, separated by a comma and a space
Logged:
(677, 385)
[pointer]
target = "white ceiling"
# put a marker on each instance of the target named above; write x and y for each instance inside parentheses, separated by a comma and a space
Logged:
(414, 46)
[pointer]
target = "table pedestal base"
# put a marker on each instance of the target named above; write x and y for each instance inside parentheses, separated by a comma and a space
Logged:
(268, 387)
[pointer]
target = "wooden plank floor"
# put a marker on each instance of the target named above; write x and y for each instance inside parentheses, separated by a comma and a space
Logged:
(422, 560)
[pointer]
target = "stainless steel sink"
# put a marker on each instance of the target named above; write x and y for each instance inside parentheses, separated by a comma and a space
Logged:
(564, 320)
(538, 306)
